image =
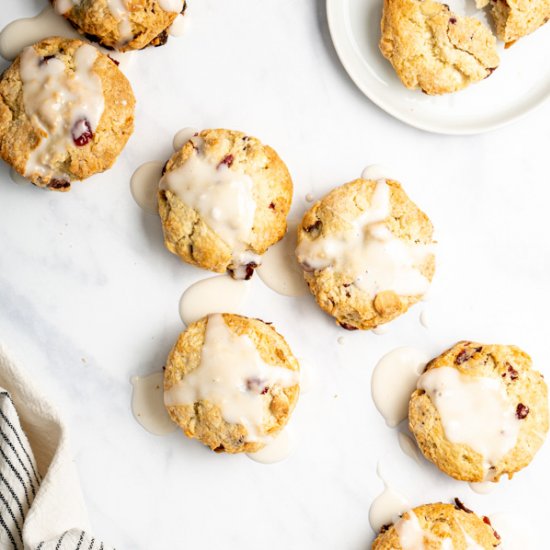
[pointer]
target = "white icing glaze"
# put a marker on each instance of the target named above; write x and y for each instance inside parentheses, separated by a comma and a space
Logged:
(412, 536)
(393, 381)
(483, 487)
(148, 406)
(178, 26)
(310, 197)
(341, 340)
(232, 375)
(182, 137)
(212, 295)
(387, 506)
(56, 101)
(474, 411)
(120, 12)
(175, 6)
(280, 270)
(144, 185)
(381, 330)
(376, 172)
(280, 448)
(369, 253)
(24, 32)
(118, 9)
(223, 196)
(63, 6)
(471, 544)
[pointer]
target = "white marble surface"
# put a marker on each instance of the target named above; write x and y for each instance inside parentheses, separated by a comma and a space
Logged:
(89, 297)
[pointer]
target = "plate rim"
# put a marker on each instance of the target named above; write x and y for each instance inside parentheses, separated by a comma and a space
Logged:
(331, 7)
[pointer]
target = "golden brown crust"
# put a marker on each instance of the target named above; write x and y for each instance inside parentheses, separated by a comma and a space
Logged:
(517, 18)
(203, 420)
(433, 49)
(335, 293)
(187, 235)
(149, 23)
(443, 521)
(19, 137)
(523, 385)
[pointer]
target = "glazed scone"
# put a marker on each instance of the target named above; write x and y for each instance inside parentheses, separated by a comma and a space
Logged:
(231, 382)
(437, 527)
(122, 24)
(517, 18)
(367, 252)
(223, 201)
(66, 112)
(433, 49)
(480, 411)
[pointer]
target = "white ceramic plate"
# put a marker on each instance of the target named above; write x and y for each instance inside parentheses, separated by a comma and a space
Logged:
(521, 83)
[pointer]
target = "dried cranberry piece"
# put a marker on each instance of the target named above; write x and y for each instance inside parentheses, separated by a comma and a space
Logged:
(82, 132)
(57, 183)
(488, 522)
(45, 59)
(459, 505)
(466, 354)
(272, 205)
(347, 326)
(452, 20)
(314, 227)
(511, 372)
(227, 161)
(522, 411)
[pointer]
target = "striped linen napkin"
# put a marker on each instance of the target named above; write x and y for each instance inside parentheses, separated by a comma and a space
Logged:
(41, 504)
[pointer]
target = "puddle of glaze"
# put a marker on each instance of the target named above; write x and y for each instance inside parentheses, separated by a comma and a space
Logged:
(394, 379)
(483, 487)
(182, 137)
(16, 177)
(145, 183)
(387, 506)
(213, 295)
(409, 447)
(376, 172)
(23, 32)
(381, 330)
(148, 404)
(277, 450)
(280, 270)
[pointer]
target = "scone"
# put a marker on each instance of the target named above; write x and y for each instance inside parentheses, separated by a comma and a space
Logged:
(223, 201)
(122, 24)
(66, 112)
(480, 411)
(436, 527)
(367, 252)
(433, 49)
(231, 382)
(516, 18)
